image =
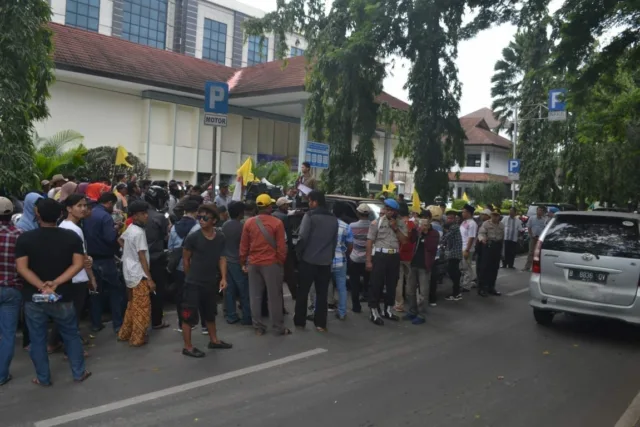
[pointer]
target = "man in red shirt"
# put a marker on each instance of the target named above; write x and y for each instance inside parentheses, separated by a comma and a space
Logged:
(406, 255)
(263, 246)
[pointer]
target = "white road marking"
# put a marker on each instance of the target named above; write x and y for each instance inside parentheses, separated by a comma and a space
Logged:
(518, 292)
(631, 415)
(85, 413)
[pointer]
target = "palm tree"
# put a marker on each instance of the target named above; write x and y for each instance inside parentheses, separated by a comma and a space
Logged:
(507, 82)
(61, 153)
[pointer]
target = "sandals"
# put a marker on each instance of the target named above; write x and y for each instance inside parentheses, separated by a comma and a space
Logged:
(54, 349)
(260, 332)
(84, 376)
(194, 352)
(321, 329)
(220, 345)
(286, 331)
(161, 326)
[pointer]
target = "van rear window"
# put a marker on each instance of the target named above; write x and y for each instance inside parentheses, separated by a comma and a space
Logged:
(602, 236)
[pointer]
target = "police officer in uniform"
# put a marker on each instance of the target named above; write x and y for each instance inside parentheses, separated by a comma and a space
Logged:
(385, 236)
(491, 237)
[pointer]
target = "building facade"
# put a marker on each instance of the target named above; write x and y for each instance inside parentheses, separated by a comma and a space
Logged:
(209, 30)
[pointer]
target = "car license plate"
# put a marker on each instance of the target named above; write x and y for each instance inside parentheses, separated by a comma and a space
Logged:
(588, 276)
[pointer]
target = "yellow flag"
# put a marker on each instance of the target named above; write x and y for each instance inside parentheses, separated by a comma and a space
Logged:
(391, 187)
(415, 202)
(121, 157)
(465, 197)
(244, 172)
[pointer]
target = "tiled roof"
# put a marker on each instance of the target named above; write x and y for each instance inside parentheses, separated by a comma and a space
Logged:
(487, 115)
(112, 57)
(92, 53)
(478, 133)
(478, 177)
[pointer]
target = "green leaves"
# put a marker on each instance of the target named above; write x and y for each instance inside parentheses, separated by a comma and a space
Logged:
(26, 70)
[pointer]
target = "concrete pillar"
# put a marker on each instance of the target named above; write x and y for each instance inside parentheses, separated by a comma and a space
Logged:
(386, 159)
(302, 143)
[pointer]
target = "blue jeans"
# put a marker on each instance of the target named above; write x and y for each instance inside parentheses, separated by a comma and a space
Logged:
(109, 285)
(237, 285)
(10, 302)
(64, 316)
(340, 281)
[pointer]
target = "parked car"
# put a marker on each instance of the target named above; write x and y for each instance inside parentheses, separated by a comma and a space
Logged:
(587, 263)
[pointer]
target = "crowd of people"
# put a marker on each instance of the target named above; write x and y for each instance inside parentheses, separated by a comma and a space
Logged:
(137, 244)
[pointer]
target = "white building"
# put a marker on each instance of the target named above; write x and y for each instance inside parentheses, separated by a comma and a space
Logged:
(487, 155)
(149, 100)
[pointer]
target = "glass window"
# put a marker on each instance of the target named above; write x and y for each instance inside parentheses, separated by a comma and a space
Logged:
(83, 14)
(599, 235)
(214, 41)
(486, 160)
(257, 53)
(146, 23)
(474, 160)
(296, 51)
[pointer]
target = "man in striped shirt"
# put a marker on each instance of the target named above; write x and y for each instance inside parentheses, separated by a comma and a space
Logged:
(339, 267)
(358, 257)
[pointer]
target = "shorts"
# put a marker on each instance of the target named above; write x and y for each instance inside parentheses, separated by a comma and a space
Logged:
(196, 298)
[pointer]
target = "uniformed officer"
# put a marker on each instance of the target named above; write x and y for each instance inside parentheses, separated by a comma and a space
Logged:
(491, 237)
(385, 236)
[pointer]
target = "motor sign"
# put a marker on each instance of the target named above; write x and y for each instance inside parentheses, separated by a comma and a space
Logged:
(216, 103)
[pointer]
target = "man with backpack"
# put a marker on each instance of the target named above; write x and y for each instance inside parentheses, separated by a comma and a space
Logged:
(263, 246)
(178, 233)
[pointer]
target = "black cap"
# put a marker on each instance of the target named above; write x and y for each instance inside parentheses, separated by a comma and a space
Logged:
(469, 208)
(138, 206)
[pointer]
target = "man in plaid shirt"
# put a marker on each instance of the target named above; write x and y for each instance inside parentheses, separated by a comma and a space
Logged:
(10, 287)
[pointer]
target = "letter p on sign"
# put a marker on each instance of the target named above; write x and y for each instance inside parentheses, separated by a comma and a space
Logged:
(216, 98)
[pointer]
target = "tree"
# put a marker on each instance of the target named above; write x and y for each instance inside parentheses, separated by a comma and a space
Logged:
(522, 79)
(54, 155)
(347, 52)
(580, 25)
(26, 70)
(277, 172)
(490, 193)
(346, 73)
(100, 163)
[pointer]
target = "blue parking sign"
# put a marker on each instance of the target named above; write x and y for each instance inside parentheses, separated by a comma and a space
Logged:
(216, 98)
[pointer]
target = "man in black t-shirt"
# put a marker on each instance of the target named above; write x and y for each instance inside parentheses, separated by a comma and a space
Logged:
(48, 258)
(202, 259)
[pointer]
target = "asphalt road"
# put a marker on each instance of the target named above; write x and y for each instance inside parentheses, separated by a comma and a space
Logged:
(477, 362)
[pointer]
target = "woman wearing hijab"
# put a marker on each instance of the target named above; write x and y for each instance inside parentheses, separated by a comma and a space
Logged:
(28, 219)
(66, 190)
(82, 188)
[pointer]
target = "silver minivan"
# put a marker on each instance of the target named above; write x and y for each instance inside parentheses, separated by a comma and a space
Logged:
(588, 263)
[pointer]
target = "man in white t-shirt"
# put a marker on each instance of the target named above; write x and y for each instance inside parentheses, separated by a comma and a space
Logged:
(76, 206)
(137, 277)
(469, 232)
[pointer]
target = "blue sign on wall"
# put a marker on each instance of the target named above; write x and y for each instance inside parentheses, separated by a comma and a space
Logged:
(317, 154)
(216, 98)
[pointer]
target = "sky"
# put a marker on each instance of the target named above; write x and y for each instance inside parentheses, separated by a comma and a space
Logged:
(476, 59)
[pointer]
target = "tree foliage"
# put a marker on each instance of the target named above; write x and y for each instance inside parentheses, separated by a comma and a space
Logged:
(62, 153)
(490, 193)
(26, 70)
(100, 163)
(276, 172)
(348, 51)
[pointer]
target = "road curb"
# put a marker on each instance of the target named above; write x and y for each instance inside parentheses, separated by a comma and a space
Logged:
(631, 417)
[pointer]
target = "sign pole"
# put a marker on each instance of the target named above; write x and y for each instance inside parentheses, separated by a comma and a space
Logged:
(515, 141)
